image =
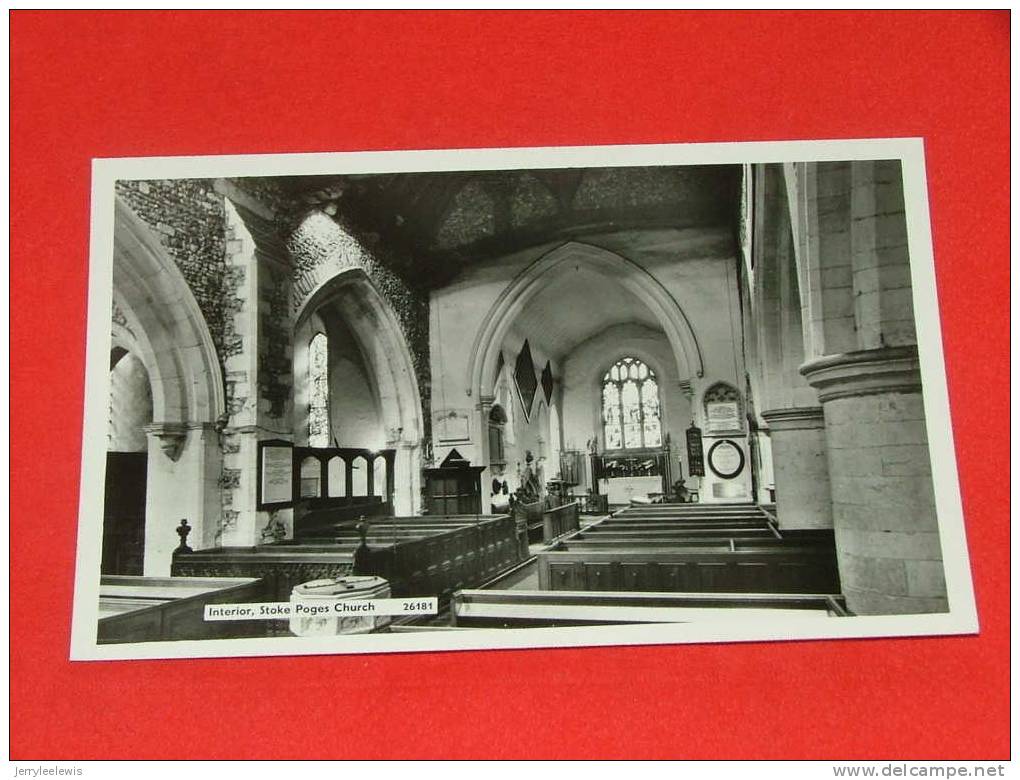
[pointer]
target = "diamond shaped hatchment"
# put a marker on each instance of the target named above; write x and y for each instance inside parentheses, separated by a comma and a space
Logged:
(547, 383)
(524, 377)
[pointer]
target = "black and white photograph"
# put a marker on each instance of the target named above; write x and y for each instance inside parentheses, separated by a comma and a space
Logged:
(396, 401)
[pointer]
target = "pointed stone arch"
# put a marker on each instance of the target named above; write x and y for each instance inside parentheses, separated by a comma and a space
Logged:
(628, 274)
(388, 360)
(168, 327)
(159, 320)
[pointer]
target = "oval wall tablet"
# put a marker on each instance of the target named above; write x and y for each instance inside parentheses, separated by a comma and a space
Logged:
(726, 459)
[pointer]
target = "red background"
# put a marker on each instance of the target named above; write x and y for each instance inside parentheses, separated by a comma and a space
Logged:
(87, 85)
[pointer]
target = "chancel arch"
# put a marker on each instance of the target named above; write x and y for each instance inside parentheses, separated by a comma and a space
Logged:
(584, 259)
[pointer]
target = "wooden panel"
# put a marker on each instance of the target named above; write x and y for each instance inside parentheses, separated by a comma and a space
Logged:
(156, 613)
(459, 557)
(781, 570)
(453, 490)
(281, 567)
(559, 521)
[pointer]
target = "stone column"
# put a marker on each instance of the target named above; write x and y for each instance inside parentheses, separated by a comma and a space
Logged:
(887, 541)
(800, 467)
(406, 477)
(181, 483)
(484, 409)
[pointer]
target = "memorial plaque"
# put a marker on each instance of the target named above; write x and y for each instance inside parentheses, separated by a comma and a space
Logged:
(452, 426)
(276, 474)
(695, 454)
(726, 459)
(723, 416)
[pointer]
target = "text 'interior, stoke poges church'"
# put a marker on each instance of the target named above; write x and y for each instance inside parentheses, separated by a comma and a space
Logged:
(547, 397)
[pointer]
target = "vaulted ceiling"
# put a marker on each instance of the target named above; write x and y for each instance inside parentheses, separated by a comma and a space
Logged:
(431, 224)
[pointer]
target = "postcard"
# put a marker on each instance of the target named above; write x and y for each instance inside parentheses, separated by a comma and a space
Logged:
(461, 399)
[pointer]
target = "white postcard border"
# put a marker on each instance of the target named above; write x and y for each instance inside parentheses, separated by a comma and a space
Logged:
(962, 617)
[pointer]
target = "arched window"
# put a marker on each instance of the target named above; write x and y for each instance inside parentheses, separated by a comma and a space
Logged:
(630, 406)
(318, 380)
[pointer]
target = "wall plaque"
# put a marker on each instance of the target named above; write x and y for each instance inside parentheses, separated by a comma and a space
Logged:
(726, 459)
(695, 454)
(723, 416)
(275, 474)
(452, 426)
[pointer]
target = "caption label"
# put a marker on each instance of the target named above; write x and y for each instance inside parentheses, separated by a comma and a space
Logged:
(283, 610)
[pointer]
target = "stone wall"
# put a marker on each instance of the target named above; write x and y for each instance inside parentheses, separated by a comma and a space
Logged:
(187, 215)
(320, 246)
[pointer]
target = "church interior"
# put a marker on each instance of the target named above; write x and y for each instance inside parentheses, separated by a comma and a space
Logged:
(547, 397)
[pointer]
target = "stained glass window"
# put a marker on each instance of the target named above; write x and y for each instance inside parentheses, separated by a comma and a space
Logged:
(630, 406)
(318, 380)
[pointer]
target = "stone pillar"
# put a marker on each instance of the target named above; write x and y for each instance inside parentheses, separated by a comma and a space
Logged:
(258, 365)
(483, 409)
(883, 504)
(801, 468)
(181, 483)
(406, 477)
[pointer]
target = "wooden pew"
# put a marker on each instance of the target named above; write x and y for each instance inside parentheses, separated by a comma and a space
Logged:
(281, 566)
(667, 532)
(158, 609)
(689, 509)
(560, 521)
(417, 556)
(529, 516)
(580, 543)
(809, 569)
(438, 564)
(693, 522)
(673, 533)
(532, 609)
(316, 517)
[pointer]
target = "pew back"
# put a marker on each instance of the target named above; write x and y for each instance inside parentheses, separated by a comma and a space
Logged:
(153, 609)
(782, 570)
(560, 521)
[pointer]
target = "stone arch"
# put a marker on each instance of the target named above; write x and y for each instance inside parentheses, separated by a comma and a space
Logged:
(157, 318)
(375, 325)
(630, 275)
(388, 360)
(166, 325)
